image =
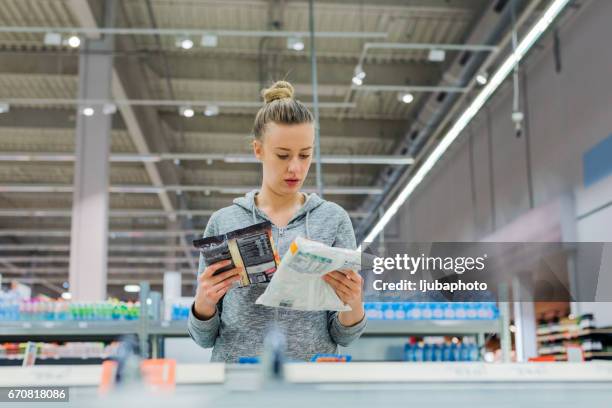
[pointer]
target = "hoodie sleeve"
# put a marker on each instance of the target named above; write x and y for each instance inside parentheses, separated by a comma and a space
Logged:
(204, 332)
(344, 335)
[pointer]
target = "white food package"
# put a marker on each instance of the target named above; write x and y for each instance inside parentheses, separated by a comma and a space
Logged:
(298, 284)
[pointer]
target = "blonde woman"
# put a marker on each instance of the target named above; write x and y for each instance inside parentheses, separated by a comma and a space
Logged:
(227, 318)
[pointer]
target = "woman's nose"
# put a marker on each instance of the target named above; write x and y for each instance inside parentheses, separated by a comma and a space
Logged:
(294, 165)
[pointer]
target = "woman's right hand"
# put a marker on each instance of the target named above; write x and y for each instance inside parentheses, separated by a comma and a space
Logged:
(212, 288)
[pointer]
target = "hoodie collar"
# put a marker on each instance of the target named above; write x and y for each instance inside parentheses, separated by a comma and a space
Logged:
(248, 203)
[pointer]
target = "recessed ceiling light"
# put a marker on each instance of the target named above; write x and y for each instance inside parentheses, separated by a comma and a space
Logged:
(209, 40)
(109, 108)
(132, 288)
(436, 55)
(211, 110)
(184, 42)
(295, 43)
(186, 111)
(74, 41)
(405, 97)
(482, 78)
(53, 39)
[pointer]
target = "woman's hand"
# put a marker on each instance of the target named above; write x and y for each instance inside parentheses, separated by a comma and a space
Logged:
(212, 288)
(348, 286)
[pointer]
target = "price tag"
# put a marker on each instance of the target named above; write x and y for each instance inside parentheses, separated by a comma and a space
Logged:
(165, 324)
(82, 325)
(27, 325)
(48, 325)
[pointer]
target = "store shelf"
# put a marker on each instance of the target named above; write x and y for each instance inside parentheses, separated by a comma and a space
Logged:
(430, 327)
(176, 328)
(179, 328)
(574, 334)
(588, 355)
(54, 361)
(49, 329)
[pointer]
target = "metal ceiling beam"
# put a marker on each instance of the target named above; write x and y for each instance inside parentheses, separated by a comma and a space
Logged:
(109, 282)
(111, 248)
(89, 31)
(38, 259)
(113, 234)
(154, 103)
(402, 88)
(228, 158)
(45, 270)
(54, 212)
(430, 46)
(146, 189)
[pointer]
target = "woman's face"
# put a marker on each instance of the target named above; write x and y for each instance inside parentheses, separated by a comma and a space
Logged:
(285, 152)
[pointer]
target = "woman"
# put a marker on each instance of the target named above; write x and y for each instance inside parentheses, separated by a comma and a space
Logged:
(228, 319)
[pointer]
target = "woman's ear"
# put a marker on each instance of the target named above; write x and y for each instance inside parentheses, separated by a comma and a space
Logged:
(258, 149)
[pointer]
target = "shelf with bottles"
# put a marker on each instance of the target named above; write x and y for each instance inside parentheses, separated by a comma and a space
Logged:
(431, 310)
(559, 325)
(440, 349)
(14, 309)
(557, 332)
(59, 353)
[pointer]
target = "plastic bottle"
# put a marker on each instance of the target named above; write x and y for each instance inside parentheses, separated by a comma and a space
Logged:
(398, 311)
(419, 352)
(427, 312)
(437, 312)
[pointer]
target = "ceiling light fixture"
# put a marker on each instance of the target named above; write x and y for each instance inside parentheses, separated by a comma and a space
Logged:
(186, 111)
(184, 42)
(295, 43)
(53, 39)
(405, 97)
(4, 107)
(211, 110)
(131, 288)
(436, 55)
(109, 108)
(74, 41)
(88, 111)
(209, 40)
(545, 20)
(482, 78)
(358, 75)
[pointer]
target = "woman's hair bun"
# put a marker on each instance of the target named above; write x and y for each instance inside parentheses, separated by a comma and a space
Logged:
(280, 90)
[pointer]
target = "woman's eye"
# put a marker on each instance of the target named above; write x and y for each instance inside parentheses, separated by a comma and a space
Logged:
(304, 156)
(282, 156)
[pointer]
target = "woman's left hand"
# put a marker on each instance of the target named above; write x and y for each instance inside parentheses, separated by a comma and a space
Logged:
(347, 285)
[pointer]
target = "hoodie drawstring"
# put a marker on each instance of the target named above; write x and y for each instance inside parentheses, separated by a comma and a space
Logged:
(254, 216)
(307, 231)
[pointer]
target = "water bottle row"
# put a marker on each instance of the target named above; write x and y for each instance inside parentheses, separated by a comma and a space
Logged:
(52, 310)
(431, 310)
(441, 352)
(180, 311)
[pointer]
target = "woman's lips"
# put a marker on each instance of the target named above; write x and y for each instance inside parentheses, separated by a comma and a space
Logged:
(292, 182)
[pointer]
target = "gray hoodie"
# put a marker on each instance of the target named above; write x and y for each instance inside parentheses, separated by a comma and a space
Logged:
(239, 325)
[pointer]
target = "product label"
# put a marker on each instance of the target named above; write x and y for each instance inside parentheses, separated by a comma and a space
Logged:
(251, 247)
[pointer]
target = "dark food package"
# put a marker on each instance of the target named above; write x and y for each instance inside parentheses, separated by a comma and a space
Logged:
(251, 247)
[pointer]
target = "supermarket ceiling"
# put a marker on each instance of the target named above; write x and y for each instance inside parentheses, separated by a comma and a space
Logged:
(230, 62)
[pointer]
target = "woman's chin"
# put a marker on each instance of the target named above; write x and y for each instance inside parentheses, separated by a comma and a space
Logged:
(290, 188)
